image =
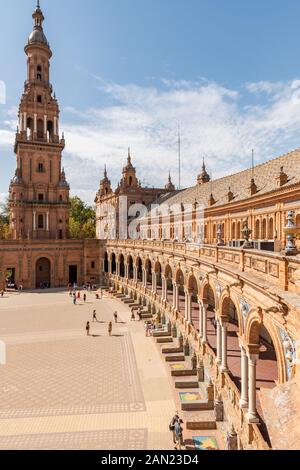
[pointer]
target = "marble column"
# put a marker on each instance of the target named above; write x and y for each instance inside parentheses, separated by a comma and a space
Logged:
(200, 318)
(219, 343)
(244, 378)
(117, 268)
(204, 322)
(188, 306)
(224, 365)
(252, 413)
(34, 221)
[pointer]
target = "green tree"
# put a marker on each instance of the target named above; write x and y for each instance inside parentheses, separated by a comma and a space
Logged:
(4, 220)
(82, 219)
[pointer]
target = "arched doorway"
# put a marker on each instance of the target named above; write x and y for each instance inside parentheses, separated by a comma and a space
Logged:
(43, 274)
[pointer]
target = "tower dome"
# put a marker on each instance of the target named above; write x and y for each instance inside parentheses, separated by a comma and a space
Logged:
(37, 36)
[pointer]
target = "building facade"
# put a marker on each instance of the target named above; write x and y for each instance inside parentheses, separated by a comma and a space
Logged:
(113, 208)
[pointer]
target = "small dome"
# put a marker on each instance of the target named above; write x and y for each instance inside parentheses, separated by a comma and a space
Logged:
(37, 36)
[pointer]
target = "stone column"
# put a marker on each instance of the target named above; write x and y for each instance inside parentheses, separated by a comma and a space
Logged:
(35, 124)
(34, 220)
(117, 268)
(252, 413)
(109, 267)
(188, 306)
(219, 343)
(176, 297)
(200, 318)
(163, 288)
(204, 321)
(47, 222)
(244, 378)
(224, 365)
(126, 271)
(135, 273)
(144, 277)
(25, 122)
(154, 282)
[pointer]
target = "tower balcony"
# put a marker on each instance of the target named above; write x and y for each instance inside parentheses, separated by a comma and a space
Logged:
(22, 137)
(43, 83)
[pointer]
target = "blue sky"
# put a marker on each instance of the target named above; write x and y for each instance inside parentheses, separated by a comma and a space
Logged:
(126, 71)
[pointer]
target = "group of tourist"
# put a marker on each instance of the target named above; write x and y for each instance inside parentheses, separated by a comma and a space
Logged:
(95, 319)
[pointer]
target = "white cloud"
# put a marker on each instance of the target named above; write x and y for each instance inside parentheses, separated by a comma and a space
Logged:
(222, 124)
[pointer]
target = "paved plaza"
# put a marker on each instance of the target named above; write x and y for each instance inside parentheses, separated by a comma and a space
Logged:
(63, 390)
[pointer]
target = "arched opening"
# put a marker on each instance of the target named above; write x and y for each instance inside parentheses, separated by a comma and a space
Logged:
(264, 230)
(193, 288)
(43, 273)
(39, 75)
(139, 265)
(106, 263)
(130, 181)
(40, 222)
(257, 230)
(157, 270)
(181, 293)
(49, 131)
(40, 129)
(113, 264)
(148, 268)
(29, 128)
(214, 233)
(130, 267)
(209, 295)
(238, 231)
(267, 372)
(229, 310)
(122, 265)
(233, 234)
(169, 282)
(271, 229)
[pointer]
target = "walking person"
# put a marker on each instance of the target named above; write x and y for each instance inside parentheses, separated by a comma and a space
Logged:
(110, 327)
(84, 298)
(95, 316)
(116, 317)
(74, 300)
(132, 315)
(172, 425)
(88, 328)
(178, 434)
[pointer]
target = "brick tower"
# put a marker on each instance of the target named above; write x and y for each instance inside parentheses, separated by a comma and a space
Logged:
(39, 193)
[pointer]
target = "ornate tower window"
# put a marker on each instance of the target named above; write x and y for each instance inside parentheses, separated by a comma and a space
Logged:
(40, 222)
(41, 168)
(39, 73)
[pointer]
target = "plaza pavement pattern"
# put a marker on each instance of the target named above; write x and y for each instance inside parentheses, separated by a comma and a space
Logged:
(63, 390)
